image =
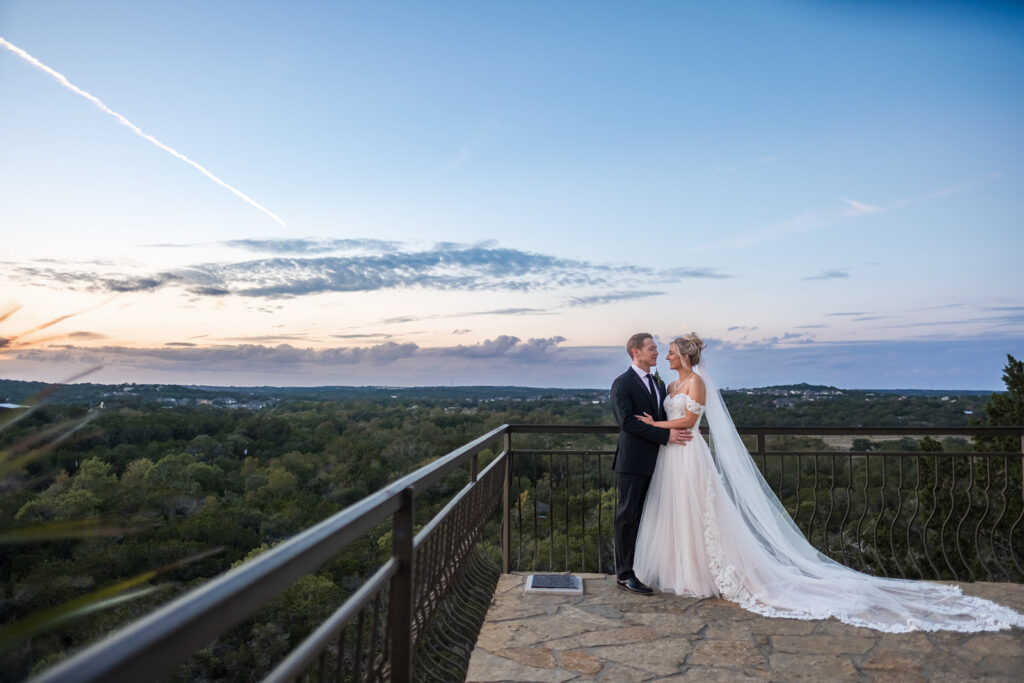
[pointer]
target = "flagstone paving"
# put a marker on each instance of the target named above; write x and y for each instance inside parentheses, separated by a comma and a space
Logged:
(608, 634)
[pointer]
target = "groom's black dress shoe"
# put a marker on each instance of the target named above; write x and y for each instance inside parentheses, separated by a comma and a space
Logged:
(634, 585)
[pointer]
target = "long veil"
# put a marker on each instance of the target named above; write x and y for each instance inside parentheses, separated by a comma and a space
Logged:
(794, 580)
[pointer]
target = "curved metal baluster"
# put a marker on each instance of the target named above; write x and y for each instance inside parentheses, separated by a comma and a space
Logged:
(799, 476)
(878, 519)
(846, 513)
(1004, 573)
(1014, 554)
(600, 512)
(782, 477)
(583, 515)
(917, 507)
(519, 506)
(814, 503)
(864, 511)
(967, 512)
(931, 515)
(831, 502)
(945, 522)
(565, 480)
(895, 518)
(533, 513)
(981, 521)
(551, 514)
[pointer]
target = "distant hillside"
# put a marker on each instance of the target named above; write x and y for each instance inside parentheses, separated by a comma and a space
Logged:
(15, 391)
(780, 405)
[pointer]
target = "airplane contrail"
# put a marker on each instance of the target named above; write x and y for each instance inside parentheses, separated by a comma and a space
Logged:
(135, 129)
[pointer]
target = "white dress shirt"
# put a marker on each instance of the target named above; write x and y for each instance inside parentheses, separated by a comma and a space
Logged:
(643, 378)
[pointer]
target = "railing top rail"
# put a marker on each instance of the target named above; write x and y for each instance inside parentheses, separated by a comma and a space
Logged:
(153, 645)
(562, 429)
(779, 431)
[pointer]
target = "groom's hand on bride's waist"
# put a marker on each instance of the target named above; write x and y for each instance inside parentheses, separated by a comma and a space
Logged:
(679, 435)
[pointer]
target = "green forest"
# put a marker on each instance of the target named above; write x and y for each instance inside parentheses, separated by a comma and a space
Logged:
(118, 498)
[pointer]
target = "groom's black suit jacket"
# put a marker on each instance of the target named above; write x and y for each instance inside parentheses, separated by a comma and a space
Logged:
(637, 450)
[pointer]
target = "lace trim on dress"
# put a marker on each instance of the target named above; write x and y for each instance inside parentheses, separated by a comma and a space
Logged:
(691, 405)
(724, 575)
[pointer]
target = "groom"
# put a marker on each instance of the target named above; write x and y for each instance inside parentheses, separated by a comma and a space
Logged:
(636, 392)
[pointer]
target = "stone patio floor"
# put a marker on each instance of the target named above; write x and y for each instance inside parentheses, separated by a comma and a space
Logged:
(611, 635)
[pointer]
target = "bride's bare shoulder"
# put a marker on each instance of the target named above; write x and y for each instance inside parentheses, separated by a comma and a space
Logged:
(697, 389)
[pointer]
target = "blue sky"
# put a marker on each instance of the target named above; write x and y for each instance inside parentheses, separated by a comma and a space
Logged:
(502, 193)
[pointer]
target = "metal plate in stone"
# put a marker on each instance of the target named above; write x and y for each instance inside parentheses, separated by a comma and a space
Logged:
(554, 583)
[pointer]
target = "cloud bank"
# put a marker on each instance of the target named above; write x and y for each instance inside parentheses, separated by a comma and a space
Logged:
(445, 267)
(967, 363)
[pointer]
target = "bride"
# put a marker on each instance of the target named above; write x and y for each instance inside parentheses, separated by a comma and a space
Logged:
(712, 527)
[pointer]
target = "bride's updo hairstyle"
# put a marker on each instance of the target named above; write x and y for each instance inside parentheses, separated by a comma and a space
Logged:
(690, 346)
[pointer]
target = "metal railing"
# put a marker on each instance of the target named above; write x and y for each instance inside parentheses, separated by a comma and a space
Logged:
(919, 514)
(418, 616)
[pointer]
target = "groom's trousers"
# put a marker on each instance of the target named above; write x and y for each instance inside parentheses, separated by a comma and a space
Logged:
(632, 493)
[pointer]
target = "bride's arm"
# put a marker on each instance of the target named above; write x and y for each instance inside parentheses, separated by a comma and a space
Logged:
(698, 393)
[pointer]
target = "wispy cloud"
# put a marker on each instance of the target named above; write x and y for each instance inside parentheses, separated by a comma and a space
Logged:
(368, 335)
(459, 159)
(803, 223)
(810, 221)
(598, 299)
(312, 246)
(466, 314)
(60, 78)
(834, 274)
(693, 273)
(860, 209)
(1011, 317)
(946, 191)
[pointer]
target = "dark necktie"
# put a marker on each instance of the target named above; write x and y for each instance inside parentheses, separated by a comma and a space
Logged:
(650, 386)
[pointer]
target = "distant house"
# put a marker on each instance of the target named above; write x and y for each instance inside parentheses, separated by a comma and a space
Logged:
(543, 510)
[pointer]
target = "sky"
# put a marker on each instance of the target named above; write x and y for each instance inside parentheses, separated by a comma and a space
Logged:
(408, 193)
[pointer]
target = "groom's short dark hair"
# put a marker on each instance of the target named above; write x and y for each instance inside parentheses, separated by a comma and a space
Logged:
(637, 342)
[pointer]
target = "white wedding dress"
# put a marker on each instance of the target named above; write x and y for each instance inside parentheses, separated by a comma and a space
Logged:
(711, 526)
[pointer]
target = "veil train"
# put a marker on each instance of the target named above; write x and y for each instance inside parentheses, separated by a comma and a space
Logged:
(800, 582)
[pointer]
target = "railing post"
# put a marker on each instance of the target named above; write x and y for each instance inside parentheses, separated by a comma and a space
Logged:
(400, 615)
(506, 510)
(760, 442)
(474, 467)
